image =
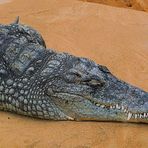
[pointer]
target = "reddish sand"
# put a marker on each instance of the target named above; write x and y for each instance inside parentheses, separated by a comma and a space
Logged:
(131, 4)
(115, 37)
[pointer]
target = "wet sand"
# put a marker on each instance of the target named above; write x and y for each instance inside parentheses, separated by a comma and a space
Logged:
(115, 37)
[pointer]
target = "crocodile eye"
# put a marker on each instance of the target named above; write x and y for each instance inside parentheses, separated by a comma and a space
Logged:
(73, 76)
(93, 81)
(96, 83)
(75, 73)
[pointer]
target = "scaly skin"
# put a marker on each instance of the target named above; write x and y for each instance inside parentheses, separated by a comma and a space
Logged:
(45, 84)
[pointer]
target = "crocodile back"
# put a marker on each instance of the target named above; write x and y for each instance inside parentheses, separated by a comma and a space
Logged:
(20, 47)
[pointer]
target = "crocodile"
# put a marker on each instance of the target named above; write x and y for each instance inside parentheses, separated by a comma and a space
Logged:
(39, 82)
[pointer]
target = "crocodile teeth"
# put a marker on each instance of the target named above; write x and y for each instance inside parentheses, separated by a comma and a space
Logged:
(136, 116)
(122, 107)
(111, 107)
(114, 106)
(98, 104)
(70, 118)
(125, 110)
(102, 106)
(117, 106)
(141, 116)
(129, 116)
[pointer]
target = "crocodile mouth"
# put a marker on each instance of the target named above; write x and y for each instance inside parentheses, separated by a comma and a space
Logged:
(66, 101)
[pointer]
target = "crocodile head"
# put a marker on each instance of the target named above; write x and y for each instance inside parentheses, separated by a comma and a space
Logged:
(50, 85)
(84, 90)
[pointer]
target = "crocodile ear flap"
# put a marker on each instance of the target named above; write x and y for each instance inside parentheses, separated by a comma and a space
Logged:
(16, 20)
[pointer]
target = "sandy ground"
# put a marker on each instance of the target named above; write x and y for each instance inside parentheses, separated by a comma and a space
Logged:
(131, 4)
(115, 37)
